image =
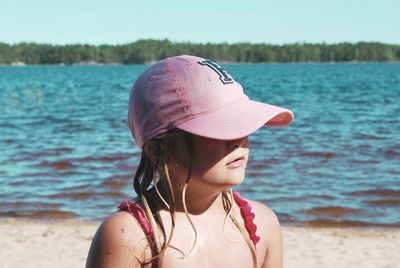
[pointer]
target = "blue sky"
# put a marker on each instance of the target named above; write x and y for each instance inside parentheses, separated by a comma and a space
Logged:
(256, 21)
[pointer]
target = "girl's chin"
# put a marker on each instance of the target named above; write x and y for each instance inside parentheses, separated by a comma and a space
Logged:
(237, 177)
(222, 181)
(237, 181)
(232, 181)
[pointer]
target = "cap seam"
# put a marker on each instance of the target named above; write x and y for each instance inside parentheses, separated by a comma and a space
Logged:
(179, 92)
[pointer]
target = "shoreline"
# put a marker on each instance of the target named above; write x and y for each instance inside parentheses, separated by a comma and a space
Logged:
(310, 224)
(65, 243)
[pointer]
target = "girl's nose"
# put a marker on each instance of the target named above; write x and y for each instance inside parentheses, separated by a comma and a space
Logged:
(240, 142)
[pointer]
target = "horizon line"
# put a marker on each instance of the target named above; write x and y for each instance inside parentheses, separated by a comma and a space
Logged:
(201, 43)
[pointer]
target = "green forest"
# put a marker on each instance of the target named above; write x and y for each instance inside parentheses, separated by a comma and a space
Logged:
(150, 50)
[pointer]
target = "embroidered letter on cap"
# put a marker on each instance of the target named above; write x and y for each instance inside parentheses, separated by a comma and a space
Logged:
(223, 75)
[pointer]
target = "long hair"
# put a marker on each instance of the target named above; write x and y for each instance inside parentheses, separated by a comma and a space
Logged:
(156, 155)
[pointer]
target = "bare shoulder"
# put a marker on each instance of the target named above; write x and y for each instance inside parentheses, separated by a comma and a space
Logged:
(265, 216)
(118, 242)
(269, 230)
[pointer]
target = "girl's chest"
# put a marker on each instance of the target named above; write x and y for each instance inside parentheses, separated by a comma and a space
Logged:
(212, 249)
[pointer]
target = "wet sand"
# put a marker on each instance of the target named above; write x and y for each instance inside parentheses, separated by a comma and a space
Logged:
(27, 243)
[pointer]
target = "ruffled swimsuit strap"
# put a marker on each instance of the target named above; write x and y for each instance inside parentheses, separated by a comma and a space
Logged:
(248, 217)
(137, 211)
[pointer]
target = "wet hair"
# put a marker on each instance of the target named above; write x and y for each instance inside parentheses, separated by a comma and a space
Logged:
(156, 155)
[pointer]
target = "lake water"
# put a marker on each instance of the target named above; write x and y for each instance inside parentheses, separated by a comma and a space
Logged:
(65, 151)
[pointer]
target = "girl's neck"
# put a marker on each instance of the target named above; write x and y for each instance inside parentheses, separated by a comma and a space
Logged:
(198, 201)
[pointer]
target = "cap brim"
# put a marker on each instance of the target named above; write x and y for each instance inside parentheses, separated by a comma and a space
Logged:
(237, 120)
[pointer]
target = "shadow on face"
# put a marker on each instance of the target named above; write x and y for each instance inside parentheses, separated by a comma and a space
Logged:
(208, 160)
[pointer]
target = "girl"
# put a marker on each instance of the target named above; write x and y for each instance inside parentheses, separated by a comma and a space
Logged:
(191, 119)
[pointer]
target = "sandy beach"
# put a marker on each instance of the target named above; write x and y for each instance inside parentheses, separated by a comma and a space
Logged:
(28, 243)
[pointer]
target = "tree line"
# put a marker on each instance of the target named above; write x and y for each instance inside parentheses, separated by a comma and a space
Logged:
(150, 50)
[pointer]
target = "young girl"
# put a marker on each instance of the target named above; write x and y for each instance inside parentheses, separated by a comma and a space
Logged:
(191, 119)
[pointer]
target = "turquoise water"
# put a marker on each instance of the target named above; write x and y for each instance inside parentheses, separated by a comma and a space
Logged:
(66, 152)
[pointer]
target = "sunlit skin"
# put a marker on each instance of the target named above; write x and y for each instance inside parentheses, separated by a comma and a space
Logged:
(216, 166)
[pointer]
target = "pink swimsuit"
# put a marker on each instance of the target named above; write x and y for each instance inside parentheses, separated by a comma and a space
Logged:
(137, 211)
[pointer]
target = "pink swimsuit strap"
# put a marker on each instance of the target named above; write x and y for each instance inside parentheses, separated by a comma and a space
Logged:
(137, 211)
(248, 217)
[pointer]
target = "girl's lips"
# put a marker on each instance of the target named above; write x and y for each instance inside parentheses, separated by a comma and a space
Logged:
(238, 162)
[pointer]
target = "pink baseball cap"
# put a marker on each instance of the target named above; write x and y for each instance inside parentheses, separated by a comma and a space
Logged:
(198, 96)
